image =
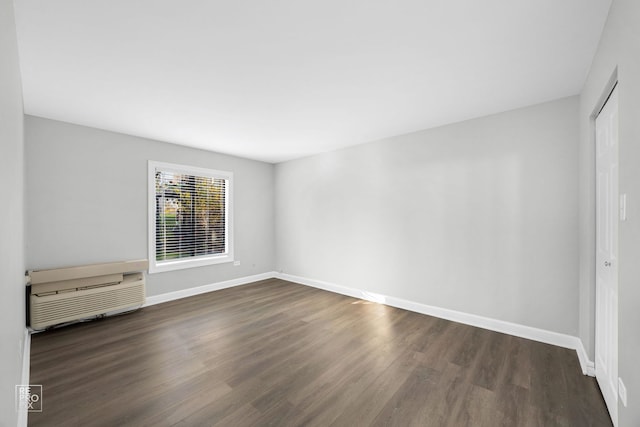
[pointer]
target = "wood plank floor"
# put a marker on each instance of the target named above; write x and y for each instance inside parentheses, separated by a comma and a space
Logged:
(282, 354)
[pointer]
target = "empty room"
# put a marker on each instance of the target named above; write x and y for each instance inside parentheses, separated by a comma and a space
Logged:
(356, 213)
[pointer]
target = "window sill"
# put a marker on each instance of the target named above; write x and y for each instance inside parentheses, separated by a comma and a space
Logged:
(188, 263)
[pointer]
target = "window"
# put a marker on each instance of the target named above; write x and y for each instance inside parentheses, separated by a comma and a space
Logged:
(190, 217)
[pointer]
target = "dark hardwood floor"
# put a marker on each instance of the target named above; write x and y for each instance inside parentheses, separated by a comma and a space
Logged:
(282, 354)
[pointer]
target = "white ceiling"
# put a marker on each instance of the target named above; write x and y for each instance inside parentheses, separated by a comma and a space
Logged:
(277, 80)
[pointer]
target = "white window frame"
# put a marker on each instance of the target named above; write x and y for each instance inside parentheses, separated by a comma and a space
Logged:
(162, 266)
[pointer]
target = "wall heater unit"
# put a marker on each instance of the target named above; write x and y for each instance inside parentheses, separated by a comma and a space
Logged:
(67, 294)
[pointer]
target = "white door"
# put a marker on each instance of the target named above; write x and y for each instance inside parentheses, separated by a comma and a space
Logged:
(607, 253)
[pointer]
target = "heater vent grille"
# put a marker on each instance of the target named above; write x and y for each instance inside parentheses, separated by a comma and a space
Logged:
(58, 302)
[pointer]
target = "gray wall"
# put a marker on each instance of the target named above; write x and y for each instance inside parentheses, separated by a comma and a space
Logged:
(86, 193)
(12, 324)
(479, 216)
(619, 47)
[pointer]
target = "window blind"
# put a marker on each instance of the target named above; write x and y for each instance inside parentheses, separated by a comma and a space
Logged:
(190, 216)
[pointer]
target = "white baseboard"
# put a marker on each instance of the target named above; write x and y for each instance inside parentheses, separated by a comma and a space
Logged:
(528, 332)
(26, 356)
(588, 367)
(184, 293)
(26, 368)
